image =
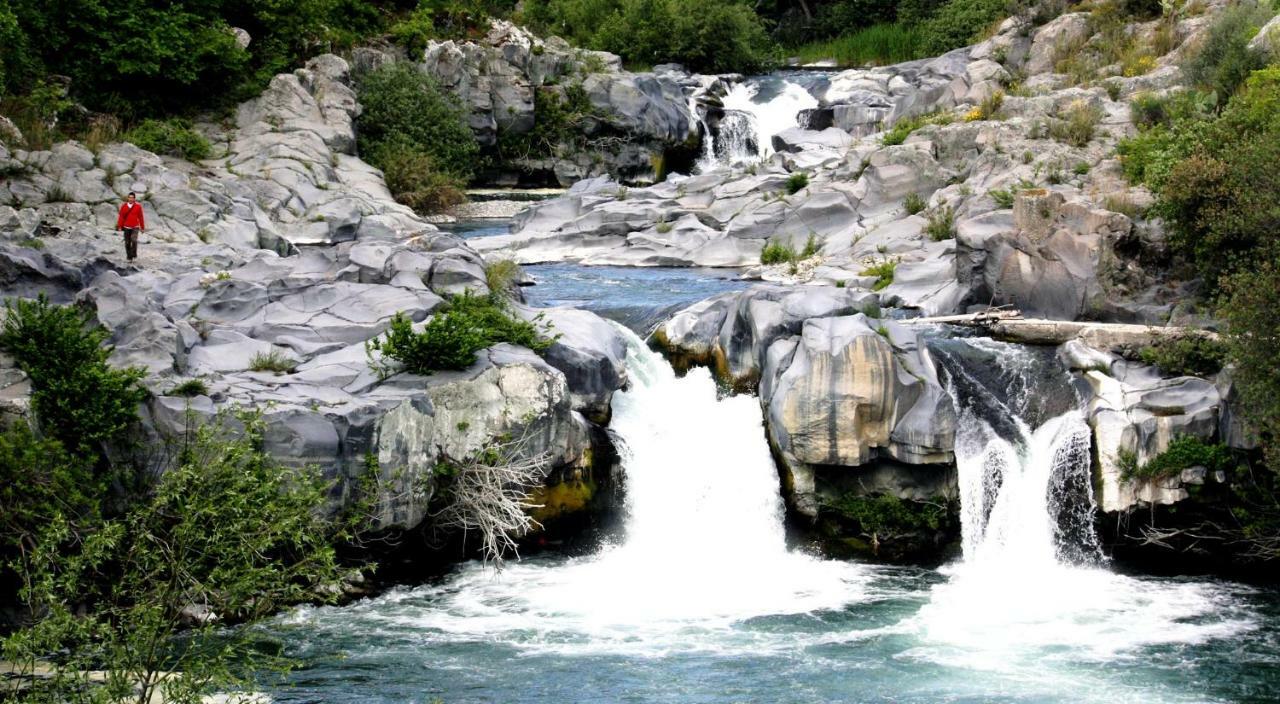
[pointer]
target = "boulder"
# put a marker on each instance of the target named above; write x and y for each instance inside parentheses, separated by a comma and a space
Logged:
(849, 391)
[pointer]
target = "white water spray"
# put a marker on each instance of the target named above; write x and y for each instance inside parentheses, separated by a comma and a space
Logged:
(766, 115)
(704, 546)
(1033, 580)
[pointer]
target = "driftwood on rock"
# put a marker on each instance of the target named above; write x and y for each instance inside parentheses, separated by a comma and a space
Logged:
(1009, 325)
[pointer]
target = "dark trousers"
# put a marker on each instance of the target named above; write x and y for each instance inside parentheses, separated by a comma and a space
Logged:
(131, 243)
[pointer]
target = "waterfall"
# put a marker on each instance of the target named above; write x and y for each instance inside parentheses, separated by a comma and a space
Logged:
(733, 143)
(754, 111)
(1026, 492)
(704, 544)
(1033, 580)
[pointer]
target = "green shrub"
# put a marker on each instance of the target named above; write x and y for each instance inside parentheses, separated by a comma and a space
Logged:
(777, 253)
(228, 528)
(273, 361)
(797, 182)
(879, 45)
(1250, 300)
(883, 271)
(404, 109)
(961, 22)
(189, 388)
(1193, 355)
(1002, 197)
(871, 309)
(172, 137)
(811, 247)
(503, 277)
(887, 515)
(1077, 125)
(76, 396)
(942, 224)
(1183, 452)
(40, 482)
(452, 337)
(560, 119)
(1223, 61)
(914, 203)
(413, 180)
(708, 36)
(903, 129)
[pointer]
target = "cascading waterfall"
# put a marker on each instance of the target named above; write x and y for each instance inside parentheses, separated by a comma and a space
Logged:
(701, 600)
(733, 143)
(755, 110)
(1033, 577)
(704, 543)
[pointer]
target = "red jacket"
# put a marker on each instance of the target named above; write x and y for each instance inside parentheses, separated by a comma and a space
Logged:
(130, 216)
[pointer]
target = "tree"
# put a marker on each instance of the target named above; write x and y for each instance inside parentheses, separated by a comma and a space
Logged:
(227, 536)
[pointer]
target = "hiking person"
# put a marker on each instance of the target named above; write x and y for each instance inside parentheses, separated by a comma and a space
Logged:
(131, 221)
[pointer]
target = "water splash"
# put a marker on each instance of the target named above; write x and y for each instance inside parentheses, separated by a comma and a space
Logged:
(704, 546)
(768, 106)
(1032, 587)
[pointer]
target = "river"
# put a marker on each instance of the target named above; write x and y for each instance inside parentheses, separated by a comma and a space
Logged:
(699, 599)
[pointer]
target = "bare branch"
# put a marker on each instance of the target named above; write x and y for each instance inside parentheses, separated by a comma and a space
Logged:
(490, 494)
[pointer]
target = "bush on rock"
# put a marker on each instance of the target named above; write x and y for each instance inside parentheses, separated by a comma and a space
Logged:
(417, 134)
(453, 336)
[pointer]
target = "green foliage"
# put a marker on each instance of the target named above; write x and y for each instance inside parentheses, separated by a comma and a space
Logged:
(883, 271)
(446, 19)
(887, 515)
(404, 110)
(1223, 60)
(1077, 125)
(273, 361)
(190, 388)
(914, 203)
(941, 225)
(413, 180)
(560, 116)
(453, 335)
(961, 22)
(811, 247)
(777, 253)
(878, 44)
(173, 137)
(228, 529)
(1002, 197)
(709, 36)
(1193, 355)
(141, 58)
(797, 182)
(871, 309)
(40, 482)
(77, 398)
(1250, 301)
(1183, 452)
(503, 276)
(903, 129)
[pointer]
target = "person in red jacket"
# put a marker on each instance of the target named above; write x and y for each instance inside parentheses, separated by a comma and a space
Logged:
(131, 221)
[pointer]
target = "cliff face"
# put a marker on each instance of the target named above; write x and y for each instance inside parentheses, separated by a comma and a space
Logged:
(286, 244)
(549, 113)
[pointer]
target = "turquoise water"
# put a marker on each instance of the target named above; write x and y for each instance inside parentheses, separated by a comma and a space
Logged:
(699, 599)
(638, 297)
(401, 648)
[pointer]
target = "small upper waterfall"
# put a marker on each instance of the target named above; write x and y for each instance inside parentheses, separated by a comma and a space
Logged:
(754, 111)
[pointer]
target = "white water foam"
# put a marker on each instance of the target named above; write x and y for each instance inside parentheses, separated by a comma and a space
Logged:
(704, 547)
(772, 116)
(1029, 592)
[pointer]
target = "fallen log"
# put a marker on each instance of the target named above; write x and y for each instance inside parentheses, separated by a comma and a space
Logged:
(1010, 326)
